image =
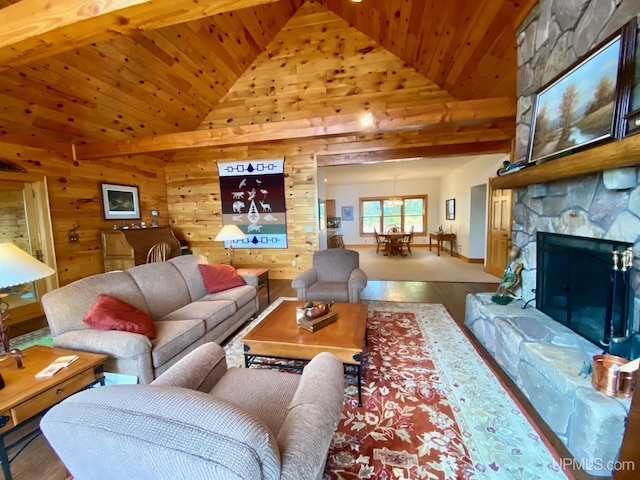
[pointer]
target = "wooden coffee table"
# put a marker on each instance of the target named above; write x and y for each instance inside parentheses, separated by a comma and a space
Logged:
(25, 397)
(278, 336)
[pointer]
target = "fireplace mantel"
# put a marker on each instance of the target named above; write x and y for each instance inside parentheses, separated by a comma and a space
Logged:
(616, 154)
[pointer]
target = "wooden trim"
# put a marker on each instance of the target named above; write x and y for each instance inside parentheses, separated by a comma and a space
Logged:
(36, 29)
(498, 146)
(615, 154)
(467, 112)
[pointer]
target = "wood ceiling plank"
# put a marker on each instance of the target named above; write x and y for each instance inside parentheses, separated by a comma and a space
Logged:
(34, 29)
(501, 146)
(455, 113)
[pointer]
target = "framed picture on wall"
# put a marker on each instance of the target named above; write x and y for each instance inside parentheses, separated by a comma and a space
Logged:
(347, 213)
(450, 209)
(586, 104)
(120, 202)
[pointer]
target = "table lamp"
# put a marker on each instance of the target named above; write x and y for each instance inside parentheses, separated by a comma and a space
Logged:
(16, 267)
(229, 233)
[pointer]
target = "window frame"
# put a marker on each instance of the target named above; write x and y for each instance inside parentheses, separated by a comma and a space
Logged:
(424, 199)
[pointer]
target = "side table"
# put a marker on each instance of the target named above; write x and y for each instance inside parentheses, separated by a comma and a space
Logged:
(26, 397)
(440, 238)
(263, 278)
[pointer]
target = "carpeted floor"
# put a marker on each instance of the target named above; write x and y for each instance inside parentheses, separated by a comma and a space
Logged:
(432, 408)
(423, 265)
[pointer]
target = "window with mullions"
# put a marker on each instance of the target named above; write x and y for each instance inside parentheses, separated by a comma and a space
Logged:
(380, 214)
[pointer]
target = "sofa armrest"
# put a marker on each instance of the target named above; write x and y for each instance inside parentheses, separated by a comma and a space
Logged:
(312, 419)
(114, 343)
(249, 279)
(199, 370)
(305, 279)
(358, 279)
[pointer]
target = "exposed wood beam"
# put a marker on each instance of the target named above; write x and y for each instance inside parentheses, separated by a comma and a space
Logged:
(36, 29)
(451, 113)
(37, 142)
(501, 146)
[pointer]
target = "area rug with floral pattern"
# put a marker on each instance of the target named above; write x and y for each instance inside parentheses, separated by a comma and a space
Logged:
(431, 407)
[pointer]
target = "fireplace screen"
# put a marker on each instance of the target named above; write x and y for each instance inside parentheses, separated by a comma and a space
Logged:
(585, 284)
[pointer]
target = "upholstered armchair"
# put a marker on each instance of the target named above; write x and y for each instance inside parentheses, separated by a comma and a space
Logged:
(201, 420)
(335, 276)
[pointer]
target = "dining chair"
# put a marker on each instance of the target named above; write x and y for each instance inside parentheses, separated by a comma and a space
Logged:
(158, 252)
(408, 240)
(379, 241)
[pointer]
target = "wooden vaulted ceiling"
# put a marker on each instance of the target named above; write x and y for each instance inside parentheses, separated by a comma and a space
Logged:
(155, 77)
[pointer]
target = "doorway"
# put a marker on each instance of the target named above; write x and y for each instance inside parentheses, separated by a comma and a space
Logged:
(499, 232)
(478, 223)
(25, 221)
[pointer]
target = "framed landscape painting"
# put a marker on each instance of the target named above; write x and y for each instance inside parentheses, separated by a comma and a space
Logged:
(120, 202)
(586, 104)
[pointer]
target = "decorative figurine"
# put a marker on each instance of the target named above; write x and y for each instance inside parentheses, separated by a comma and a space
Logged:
(315, 311)
(511, 280)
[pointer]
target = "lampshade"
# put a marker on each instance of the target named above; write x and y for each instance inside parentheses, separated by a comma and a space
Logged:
(18, 267)
(230, 232)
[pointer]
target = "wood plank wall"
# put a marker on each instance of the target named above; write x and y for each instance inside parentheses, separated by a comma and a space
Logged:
(316, 65)
(196, 211)
(74, 199)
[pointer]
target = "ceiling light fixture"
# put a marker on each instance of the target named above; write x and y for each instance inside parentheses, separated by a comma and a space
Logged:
(395, 201)
(366, 120)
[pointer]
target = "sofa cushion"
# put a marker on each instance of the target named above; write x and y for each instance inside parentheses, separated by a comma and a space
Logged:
(276, 390)
(240, 295)
(187, 265)
(65, 307)
(172, 337)
(162, 286)
(329, 291)
(213, 313)
(110, 313)
(219, 277)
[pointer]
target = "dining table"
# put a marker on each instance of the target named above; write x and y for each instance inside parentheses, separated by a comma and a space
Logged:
(394, 244)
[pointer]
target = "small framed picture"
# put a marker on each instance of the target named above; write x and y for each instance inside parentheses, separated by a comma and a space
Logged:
(347, 213)
(450, 209)
(120, 202)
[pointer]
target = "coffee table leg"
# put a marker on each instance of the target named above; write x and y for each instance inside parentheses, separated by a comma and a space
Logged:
(4, 459)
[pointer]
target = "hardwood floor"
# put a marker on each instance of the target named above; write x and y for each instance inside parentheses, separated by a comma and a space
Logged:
(38, 461)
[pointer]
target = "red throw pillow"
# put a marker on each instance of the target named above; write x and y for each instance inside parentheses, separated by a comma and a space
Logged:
(218, 277)
(109, 313)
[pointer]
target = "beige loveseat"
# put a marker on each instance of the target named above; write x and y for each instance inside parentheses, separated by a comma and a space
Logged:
(201, 420)
(172, 293)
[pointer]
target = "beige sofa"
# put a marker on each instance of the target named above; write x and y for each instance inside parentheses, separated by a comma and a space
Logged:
(202, 420)
(172, 293)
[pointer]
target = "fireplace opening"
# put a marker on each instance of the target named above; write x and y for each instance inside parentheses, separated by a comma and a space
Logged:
(585, 284)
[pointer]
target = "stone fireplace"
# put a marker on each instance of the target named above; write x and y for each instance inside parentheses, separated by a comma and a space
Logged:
(584, 207)
(547, 360)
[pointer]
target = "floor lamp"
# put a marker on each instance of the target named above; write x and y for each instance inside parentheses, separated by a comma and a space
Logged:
(229, 233)
(16, 268)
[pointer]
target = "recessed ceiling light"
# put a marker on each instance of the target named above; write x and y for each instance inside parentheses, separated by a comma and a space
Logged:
(366, 120)
(356, 1)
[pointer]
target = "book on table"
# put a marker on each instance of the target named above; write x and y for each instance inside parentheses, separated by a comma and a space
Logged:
(57, 365)
(314, 324)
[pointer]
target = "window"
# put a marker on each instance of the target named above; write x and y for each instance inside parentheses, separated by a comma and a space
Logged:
(380, 214)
